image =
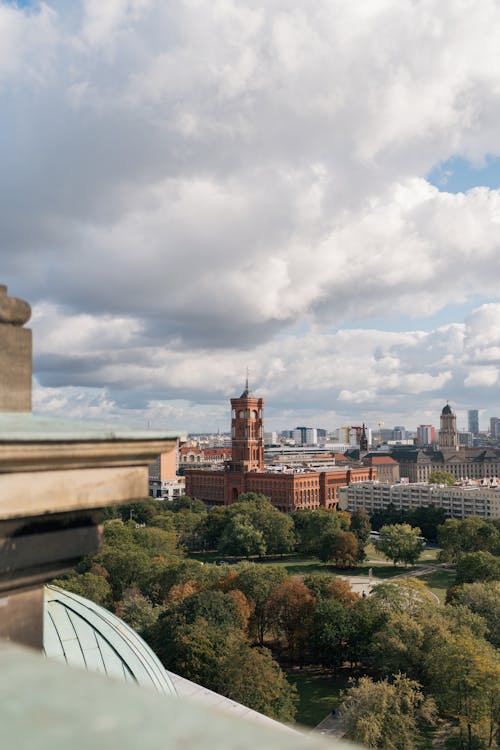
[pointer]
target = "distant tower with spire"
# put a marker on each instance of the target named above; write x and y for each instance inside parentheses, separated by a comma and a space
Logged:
(448, 435)
(247, 431)
(363, 441)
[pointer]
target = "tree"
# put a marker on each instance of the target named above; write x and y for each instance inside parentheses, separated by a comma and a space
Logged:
(290, 607)
(219, 658)
(252, 677)
(441, 477)
(464, 674)
(332, 631)
(156, 542)
(212, 527)
(128, 568)
(241, 538)
(400, 543)
(90, 586)
(408, 595)
(368, 617)
(427, 519)
(188, 503)
(137, 611)
(477, 566)
(257, 582)
(311, 525)
(340, 546)
(473, 534)
(482, 599)
(141, 512)
(386, 517)
(277, 528)
(386, 715)
(215, 607)
(398, 646)
(361, 528)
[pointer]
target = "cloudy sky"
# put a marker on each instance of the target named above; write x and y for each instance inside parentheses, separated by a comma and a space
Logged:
(310, 189)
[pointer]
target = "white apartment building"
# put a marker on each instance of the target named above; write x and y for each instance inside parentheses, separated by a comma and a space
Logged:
(457, 502)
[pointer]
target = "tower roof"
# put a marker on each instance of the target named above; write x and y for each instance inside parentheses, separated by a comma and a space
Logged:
(447, 409)
(247, 393)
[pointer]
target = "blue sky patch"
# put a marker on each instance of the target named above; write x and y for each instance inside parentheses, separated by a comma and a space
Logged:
(456, 175)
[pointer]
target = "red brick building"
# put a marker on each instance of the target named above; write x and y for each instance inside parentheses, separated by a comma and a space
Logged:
(288, 488)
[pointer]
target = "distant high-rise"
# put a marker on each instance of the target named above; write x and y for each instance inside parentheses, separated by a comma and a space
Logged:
(426, 434)
(473, 421)
(399, 432)
(494, 426)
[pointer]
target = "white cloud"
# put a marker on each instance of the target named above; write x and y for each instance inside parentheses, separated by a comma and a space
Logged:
(187, 183)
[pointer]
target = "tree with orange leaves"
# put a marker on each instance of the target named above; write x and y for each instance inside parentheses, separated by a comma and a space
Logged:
(290, 608)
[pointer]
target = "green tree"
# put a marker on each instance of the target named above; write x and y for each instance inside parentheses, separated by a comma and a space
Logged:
(188, 503)
(311, 525)
(483, 599)
(142, 512)
(332, 632)
(361, 528)
(473, 534)
(218, 657)
(398, 646)
(441, 477)
(386, 715)
(340, 546)
(464, 674)
(409, 595)
(477, 566)
(156, 542)
(215, 607)
(212, 527)
(241, 538)
(90, 586)
(427, 519)
(257, 582)
(277, 528)
(138, 611)
(387, 517)
(400, 543)
(252, 677)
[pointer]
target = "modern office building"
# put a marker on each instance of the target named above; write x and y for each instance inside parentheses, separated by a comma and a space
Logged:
(473, 421)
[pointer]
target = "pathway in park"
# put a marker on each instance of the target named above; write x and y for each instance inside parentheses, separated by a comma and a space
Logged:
(361, 584)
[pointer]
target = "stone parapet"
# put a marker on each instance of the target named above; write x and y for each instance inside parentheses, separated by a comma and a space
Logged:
(15, 354)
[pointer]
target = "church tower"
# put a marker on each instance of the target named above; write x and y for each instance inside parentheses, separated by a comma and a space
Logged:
(448, 435)
(247, 432)
(363, 441)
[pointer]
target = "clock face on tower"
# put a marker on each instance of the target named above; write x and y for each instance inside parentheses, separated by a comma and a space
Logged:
(241, 414)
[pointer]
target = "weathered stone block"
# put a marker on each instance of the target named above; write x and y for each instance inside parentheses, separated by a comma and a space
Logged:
(15, 368)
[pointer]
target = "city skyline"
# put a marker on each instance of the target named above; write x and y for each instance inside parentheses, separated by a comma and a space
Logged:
(189, 190)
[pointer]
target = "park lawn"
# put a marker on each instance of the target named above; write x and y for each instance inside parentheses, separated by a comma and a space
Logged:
(297, 565)
(438, 581)
(430, 554)
(318, 692)
(300, 565)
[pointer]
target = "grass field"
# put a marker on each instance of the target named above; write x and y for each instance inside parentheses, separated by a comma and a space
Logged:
(438, 581)
(318, 693)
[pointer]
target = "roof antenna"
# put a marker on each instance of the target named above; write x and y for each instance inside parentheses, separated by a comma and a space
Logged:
(246, 380)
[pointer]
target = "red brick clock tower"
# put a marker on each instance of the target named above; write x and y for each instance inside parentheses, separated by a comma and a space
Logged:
(247, 441)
